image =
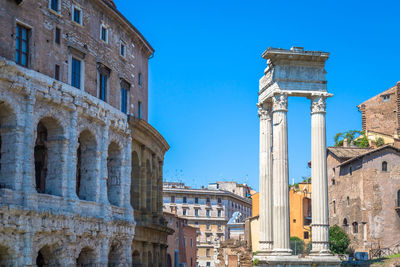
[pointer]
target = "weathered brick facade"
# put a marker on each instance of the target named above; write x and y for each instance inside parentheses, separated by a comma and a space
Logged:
(80, 175)
(364, 195)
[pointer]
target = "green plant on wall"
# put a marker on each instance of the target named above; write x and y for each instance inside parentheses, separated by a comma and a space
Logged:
(338, 240)
(357, 137)
(380, 142)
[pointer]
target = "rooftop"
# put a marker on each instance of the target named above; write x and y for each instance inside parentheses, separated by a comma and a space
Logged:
(347, 152)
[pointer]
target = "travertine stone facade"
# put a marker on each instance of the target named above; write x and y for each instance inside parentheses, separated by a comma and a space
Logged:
(77, 154)
(364, 195)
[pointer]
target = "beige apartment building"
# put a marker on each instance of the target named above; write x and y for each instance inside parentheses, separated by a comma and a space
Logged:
(209, 210)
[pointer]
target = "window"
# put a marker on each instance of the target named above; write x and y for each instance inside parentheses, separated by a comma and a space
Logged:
(139, 109)
(208, 226)
(348, 201)
(219, 227)
(344, 222)
(22, 46)
(196, 200)
(125, 86)
(172, 199)
(355, 227)
(334, 207)
(333, 182)
(76, 73)
(104, 74)
(55, 5)
(184, 211)
(294, 220)
(208, 255)
(351, 170)
(104, 33)
(208, 263)
(122, 49)
(140, 79)
(196, 212)
(384, 166)
(306, 235)
(208, 200)
(57, 72)
(77, 14)
(386, 98)
(398, 198)
(57, 37)
(196, 223)
(219, 201)
(184, 200)
(208, 213)
(219, 213)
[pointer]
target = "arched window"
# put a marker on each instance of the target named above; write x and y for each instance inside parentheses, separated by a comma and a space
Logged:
(345, 222)
(355, 227)
(86, 167)
(47, 257)
(384, 166)
(114, 166)
(49, 147)
(87, 257)
(136, 261)
(348, 201)
(135, 181)
(8, 124)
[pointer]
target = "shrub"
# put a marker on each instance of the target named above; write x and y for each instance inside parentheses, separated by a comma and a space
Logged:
(297, 245)
(380, 142)
(339, 241)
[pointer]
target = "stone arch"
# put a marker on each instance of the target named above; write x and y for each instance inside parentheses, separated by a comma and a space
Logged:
(87, 169)
(169, 260)
(136, 261)
(116, 255)
(6, 256)
(150, 258)
(87, 257)
(8, 125)
(135, 181)
(114, 168)
(49, 147)
(48, 256)
(148, 185)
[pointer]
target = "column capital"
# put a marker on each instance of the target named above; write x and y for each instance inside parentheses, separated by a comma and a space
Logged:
(280, 102)
(318, 104)
(264, 111)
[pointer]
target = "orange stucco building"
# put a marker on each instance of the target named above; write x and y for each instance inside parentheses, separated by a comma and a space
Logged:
(300, 211)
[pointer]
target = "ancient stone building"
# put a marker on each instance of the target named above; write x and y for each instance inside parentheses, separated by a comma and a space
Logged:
(80, 166)
(364, 195)
(381, 117)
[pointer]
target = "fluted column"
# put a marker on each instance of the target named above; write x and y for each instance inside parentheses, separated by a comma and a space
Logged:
(280, 184)
(265, 114)
(319, 178)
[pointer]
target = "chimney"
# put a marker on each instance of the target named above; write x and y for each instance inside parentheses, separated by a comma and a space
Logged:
(345, 143)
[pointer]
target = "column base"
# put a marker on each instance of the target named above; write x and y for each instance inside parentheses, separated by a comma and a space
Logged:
(282, 252)
(296, 261)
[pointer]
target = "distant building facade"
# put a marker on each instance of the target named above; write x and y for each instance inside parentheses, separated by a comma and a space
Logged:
(207, 209)
(80, 166)
(300, 211)
(182, 245)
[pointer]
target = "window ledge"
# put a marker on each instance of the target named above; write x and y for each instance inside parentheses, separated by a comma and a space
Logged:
(57, 13)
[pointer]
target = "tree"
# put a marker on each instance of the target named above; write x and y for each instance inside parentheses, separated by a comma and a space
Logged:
(338, 240)
(357, 137)
(297, 245)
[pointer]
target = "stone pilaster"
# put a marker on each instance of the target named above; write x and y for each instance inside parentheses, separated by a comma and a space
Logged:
(103, 163)
(127, 180)
(266, 234)
(72, 149)
(319, 178)
(281, 232)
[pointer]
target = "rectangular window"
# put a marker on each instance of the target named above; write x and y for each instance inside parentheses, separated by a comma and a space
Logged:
(57, 72)
(306, 235)
(104, 33)
(208, 255)
(184, 211)
(219, 213)
(103, 87)
(57, 38)
(76, 73)
(219, 227)
(54, 5)
(208, 263)
(334, 207)
(172, 199)
(77, 15)
(184, 200)
(125, 86)
(140, 79)
(122, 49)
(139, 109)
(208, 213)
(196, 212)
(22, 46)
(196, 200)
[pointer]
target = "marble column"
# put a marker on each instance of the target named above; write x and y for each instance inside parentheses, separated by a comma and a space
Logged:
(265, 114)
(319, 201)
(280, 184)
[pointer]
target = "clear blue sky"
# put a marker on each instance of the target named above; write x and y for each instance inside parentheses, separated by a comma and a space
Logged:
(204, 75)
